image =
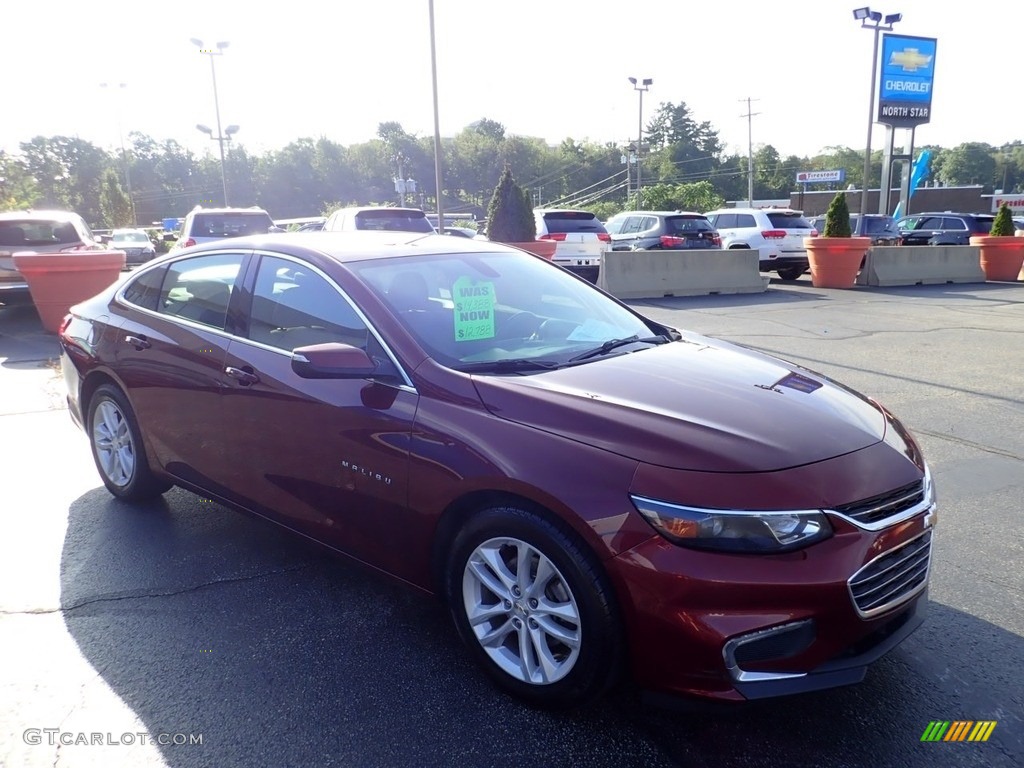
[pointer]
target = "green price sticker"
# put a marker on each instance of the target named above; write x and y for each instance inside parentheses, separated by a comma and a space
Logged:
(474, 309)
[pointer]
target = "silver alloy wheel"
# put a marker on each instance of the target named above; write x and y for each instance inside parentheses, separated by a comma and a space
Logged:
(521, 610)
(112, 438)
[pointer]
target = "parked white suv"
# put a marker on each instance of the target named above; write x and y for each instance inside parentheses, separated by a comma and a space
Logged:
(580, 239)
(202, 225)
(776, 233)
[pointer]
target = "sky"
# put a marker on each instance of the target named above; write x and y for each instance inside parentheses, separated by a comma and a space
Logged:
(544, 68)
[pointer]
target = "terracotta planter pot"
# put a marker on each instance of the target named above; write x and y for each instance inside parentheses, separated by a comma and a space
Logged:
(59, 280)
(543, 248)
(835, 261)
(1001, 257)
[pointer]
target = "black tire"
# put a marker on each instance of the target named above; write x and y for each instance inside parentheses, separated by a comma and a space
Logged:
(790, 273)
(117, 447)
(574, 602)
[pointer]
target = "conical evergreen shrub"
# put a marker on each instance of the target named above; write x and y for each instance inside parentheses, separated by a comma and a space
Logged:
(510, 212)
(837, 217)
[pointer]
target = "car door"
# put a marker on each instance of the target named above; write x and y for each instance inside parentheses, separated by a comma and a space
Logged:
(170, 357)
(923, 231)
(326, 457)
(725, 223)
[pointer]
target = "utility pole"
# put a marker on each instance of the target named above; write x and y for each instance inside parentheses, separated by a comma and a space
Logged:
(750, 150)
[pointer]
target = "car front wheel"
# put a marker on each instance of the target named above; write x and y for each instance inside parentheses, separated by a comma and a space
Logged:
(117, 447)
(534, 608)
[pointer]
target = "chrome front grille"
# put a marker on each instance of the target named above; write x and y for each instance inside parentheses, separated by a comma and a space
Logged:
(880, 509)
(892, 578)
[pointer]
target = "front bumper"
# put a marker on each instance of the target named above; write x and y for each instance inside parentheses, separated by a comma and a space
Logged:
(740, 627)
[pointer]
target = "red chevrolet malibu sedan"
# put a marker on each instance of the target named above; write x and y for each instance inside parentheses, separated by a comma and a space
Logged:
(591, 493)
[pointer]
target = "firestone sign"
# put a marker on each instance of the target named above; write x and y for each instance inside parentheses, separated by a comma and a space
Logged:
(1014, 202)
(908, 74)
(812, 177)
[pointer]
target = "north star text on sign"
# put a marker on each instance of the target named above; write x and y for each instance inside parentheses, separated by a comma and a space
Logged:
(907, 85)
(888, 111)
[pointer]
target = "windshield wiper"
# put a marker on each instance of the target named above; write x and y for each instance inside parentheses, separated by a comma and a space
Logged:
(513, 365)
(611, 344)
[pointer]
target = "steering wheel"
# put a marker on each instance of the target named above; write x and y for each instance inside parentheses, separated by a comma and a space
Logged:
(530, 324)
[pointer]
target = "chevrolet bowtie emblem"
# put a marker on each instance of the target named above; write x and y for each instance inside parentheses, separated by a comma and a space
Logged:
(910, 59)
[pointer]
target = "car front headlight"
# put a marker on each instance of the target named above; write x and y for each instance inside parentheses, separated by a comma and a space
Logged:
(734, 530)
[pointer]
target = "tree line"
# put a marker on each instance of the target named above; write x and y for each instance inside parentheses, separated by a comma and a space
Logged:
(684, 166)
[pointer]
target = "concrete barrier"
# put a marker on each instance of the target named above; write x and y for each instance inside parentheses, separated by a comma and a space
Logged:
(656, 274)
(921, 265)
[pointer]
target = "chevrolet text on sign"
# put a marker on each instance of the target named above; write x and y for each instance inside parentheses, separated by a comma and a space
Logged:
(908, 75)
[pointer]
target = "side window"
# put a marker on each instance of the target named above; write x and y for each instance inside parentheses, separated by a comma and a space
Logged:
(953, 223)
(199, 288)
(144, 290)
(632, 225)
(614, 225)
(745, 221)
(648, 223)
(293, 306)
(726, 221)
(931, 222)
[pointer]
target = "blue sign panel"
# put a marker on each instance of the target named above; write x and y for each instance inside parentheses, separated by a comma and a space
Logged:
(908, 75)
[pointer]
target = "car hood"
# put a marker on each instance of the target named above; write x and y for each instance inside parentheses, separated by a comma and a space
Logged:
(695, 404)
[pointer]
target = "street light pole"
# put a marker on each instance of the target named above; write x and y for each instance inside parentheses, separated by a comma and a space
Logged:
(437, 122)
(640, 88)
(124, 155)
(220, 138)
(864, 15)
(750, 151)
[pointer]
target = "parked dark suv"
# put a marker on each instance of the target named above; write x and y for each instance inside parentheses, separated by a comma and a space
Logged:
(880, 228)
(661, 230)
(944, 228)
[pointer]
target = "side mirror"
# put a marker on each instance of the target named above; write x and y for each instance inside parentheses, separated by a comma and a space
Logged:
(332, 361)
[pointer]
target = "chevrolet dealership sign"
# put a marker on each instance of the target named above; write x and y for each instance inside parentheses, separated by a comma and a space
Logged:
(908, 73)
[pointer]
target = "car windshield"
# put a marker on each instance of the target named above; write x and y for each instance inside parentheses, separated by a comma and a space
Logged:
(130, 237)
(788, 220)
(573, 221)
(677, 225)
(37, 232)
(874, 224)
(501, 311)
(231, 224)
(400, 221)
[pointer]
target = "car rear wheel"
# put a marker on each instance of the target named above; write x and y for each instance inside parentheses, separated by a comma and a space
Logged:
(534, 608)
(117, 447)
(790, 273)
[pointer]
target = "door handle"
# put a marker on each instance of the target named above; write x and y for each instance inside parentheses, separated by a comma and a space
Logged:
(139, 342)
(242, 376)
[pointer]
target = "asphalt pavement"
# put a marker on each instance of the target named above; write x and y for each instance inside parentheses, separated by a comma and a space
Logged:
(239, 645)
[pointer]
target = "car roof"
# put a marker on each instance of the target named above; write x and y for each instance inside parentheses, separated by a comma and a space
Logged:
(253, 209)
(359, 245)
(40, 215)
(396, 209)
(756, 210)
(660, 213)
(945, 213)
(563, 210)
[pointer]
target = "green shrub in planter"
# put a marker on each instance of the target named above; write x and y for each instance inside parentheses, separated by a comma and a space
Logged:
(1002, 225)
(837, 217)
(510, 212)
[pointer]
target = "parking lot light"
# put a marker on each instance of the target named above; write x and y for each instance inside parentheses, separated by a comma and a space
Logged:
(864, 15)
(221, 136)
(640, 88)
